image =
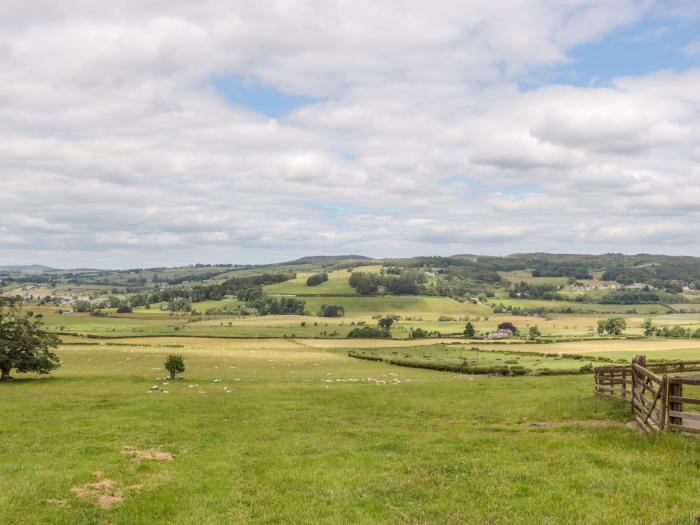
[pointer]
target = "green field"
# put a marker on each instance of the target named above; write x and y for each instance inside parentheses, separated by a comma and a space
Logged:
(526, 276)
(337, 284)
(419, 306)
(483, 356)
(584, 307)
(312, 436)
(202, 306)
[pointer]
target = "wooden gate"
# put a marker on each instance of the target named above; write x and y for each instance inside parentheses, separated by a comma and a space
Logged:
(655, 392)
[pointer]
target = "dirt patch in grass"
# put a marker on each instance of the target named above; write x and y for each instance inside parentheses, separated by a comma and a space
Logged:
(103, 493)
(147, 454)
(106, 501)
(597, 423)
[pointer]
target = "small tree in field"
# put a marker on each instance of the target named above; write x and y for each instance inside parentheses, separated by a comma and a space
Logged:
(174, 364)
(649, 328)
(386, 322)
(469, 329)
(612, 326)
(24, 345)
(534, 332)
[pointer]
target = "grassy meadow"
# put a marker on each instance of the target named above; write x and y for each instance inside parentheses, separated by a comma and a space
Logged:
(274, 421)
(297, 433)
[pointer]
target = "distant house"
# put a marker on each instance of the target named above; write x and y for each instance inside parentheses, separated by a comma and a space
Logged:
(592, 287)
(638, 286)
(501, 333)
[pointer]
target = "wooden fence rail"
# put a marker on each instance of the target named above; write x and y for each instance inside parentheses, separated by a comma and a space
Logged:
(655, 392)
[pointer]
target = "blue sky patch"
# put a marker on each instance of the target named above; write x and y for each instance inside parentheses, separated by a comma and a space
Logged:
(652, 44)
(266, 100)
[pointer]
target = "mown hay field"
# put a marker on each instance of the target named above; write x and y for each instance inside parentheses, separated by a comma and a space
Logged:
(618, 348)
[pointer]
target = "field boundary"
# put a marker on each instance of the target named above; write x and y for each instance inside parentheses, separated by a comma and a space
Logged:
(655, 392)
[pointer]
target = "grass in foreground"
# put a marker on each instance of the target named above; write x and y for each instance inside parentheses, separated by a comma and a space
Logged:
(306, 436)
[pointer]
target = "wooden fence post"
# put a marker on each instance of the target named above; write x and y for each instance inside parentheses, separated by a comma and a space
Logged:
(634, 384)
(664, 402)
(675, 390)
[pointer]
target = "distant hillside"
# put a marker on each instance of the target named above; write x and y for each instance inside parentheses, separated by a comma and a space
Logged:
(27, 268)
(328, 259)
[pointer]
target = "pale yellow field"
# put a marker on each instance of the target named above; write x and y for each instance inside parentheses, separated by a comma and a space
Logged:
(591, 347)
(273, 320)
(667, 320)
(368, 269)
(374, 343)
(203, 343)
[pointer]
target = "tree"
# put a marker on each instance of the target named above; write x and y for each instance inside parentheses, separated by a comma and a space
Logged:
(534, 332)
(175, 364)
(112, 302)
(364, 283)
(507, 325)
(612, 326)
(331, 310)
(24, 345)
(386, 322)
(179, 304)
(469, 330)
(137, 300)
(649, 328)
(82, 306)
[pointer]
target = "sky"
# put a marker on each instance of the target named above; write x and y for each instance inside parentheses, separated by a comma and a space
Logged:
(157, 133)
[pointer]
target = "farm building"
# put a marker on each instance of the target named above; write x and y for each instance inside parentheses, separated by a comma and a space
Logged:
(501, 333)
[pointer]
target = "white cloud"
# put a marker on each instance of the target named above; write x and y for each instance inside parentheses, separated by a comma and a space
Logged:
(116, 149)
(692, 49)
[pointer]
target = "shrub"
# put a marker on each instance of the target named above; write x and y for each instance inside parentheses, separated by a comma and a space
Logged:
(317, 279)
(534, 332)
(418, 333)
(369, 332)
